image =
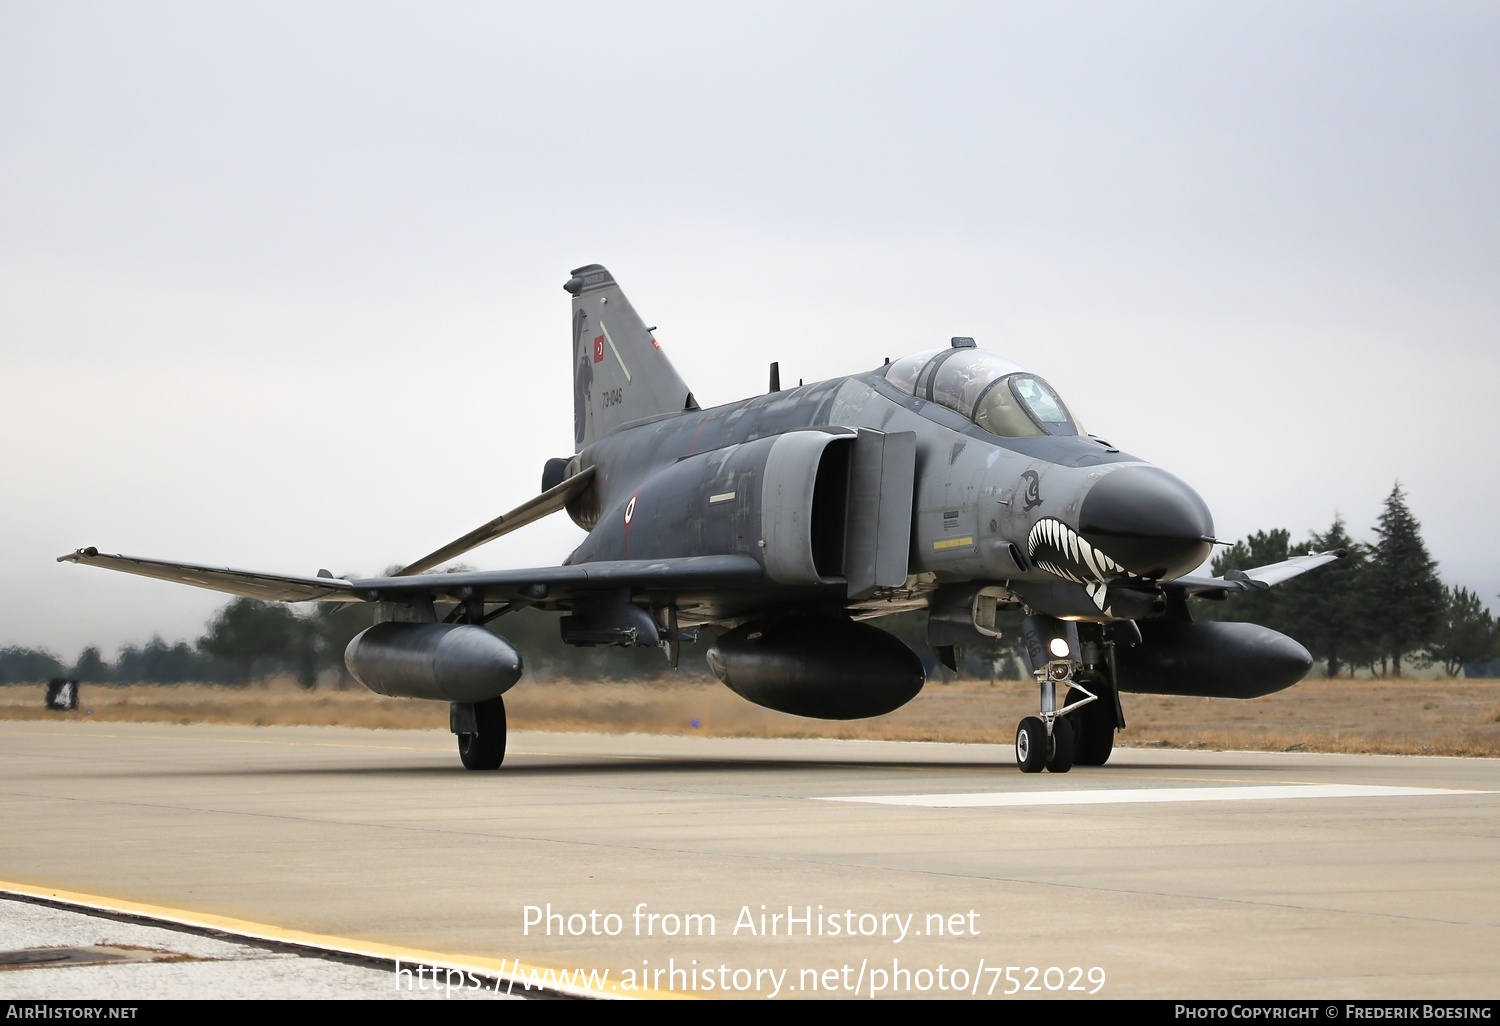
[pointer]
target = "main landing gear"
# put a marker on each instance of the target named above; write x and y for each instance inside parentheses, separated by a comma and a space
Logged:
(1095, 714)
(480, 727)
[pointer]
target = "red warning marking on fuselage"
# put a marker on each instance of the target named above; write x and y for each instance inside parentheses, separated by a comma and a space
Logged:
(599, 349)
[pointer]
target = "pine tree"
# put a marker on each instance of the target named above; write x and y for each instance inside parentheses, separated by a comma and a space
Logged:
(1407, 599)
(91, 667)
(1328, 610)
(248, 631)
(1467, 633)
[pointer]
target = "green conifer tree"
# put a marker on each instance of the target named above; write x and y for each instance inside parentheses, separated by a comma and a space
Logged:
(1467, 633)
(1406, 596)
(1328, 610)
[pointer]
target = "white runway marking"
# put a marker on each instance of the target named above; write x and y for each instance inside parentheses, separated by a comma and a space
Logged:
(1137, 795)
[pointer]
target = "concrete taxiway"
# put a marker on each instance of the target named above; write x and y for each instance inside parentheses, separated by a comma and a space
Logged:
(787, 868)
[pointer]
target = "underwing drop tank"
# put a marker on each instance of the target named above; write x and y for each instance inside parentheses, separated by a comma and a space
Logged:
(828, 668)
(1211, 660)
(447, 662)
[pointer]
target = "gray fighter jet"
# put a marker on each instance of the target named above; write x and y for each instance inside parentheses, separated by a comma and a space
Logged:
(952, 480)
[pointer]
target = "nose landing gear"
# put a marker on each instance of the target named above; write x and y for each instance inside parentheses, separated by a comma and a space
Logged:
(1048, 740)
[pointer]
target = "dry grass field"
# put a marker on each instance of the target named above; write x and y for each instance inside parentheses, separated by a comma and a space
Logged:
(1410, 717)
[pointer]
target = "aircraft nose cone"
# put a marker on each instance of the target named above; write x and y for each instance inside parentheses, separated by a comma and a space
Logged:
(1148, 521)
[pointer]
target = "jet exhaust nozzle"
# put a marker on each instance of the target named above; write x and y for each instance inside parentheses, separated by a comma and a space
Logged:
(1211, 660)
(445, 662)
(827, 668)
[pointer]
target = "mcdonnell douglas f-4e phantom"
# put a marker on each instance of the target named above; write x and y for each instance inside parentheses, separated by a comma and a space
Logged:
(952, 480)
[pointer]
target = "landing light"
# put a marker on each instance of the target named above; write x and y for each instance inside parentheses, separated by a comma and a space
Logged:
(1059, 647)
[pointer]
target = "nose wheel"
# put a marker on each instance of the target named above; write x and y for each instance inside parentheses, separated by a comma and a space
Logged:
(1048, 740)
(1064, 746)
(1032, 743)
(1038, 749)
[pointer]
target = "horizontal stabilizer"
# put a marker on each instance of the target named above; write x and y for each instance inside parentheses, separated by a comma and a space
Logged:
(549, 502)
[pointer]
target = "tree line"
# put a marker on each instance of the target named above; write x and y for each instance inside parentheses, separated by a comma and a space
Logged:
(248, 640)
(245, 640)
(1380, 608)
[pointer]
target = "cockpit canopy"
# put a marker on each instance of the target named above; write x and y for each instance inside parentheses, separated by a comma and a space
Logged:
(996, 394)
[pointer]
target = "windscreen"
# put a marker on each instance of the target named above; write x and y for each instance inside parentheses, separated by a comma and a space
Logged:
(995, 393)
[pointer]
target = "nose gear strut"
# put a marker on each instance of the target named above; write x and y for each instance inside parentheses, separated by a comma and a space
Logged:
(1047, 740)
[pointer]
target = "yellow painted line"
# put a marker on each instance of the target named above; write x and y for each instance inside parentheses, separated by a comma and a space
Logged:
(502, 968)
(953, 543)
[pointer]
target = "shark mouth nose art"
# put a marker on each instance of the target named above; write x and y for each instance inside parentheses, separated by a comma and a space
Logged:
(1058, 549)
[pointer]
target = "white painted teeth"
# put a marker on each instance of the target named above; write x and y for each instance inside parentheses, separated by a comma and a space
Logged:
(1091, 558)
(1067, 543)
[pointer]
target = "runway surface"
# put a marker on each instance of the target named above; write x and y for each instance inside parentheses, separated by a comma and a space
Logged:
(780, 868)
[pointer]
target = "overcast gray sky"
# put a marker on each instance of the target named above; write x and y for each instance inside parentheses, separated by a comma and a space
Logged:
(280, 283)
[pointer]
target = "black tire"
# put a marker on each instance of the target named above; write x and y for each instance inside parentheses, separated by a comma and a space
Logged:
(486, 749)
(1031, 745)
(1094, 727)
(1062, 747)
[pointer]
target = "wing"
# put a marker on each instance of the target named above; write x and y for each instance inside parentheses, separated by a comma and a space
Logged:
(560, 585)
(703, 581)
(1256, 579)
(325, 587)
(555, 585)
(246, 583)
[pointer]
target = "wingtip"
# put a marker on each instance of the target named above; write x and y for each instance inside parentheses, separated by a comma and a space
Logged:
(77, 554)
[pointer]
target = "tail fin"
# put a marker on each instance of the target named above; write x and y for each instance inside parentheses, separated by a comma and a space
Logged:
(620, 374)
